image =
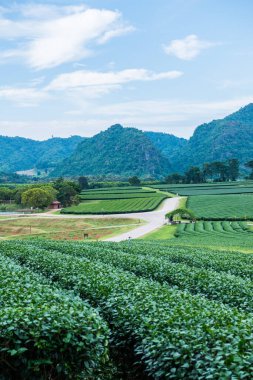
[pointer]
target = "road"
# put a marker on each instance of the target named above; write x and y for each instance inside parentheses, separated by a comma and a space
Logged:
(154, 219)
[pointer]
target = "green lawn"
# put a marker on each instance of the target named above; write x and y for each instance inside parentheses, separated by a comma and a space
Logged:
(165, 232)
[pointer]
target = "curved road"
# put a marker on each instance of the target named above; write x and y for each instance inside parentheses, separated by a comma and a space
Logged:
(154, 219)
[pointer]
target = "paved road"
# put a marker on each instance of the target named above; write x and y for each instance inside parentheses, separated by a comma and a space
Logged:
(155, 219)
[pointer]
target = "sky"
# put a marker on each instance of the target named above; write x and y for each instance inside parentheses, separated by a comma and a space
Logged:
(75, 68)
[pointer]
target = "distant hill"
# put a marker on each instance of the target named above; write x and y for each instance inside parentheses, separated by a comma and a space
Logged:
(231, 137)
(119, 151)
(18, 153)
(169, 145)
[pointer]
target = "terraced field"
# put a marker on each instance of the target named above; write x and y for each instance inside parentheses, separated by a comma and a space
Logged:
(162, 306)
(117, 201)
(214, 207)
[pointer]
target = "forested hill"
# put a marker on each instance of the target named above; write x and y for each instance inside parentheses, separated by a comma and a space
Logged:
(119, 151)
(18, 153)
(231, 137)
(168, 144)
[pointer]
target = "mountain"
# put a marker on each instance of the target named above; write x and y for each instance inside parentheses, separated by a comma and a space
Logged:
(117, 151)
(169, 145)
(18, 153)
(219, 140)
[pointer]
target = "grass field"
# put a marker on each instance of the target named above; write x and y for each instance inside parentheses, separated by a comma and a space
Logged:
(65, 229)
(237, 206)
(160, 305)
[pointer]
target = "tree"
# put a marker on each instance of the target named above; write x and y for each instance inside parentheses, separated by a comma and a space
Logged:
(66, 193)
(233, 169)
(37, 198)
(249, 165)
(183, 213)
(194, 175)
(83, 183)
(134, 181)
(174, 178)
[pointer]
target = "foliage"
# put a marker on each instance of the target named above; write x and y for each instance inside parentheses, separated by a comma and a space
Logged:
(83, 183)
(37, 198)
(134, 181)
(67, 191)
(116, 151)
(219, 140)
(19, 153)
(184, 213)
(167, 328)
(45, 332)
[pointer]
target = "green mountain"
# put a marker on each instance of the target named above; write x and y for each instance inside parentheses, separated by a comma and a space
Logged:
(18, 153)
(116, 151)
(169, 145)
(231, 137)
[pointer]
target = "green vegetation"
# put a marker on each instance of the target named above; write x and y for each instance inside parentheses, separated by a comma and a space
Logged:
(117, 206)
(116, 151)
(215, 188)
(213, 207)
(224, 234)
(163, 326)
(165, 232)
(45, 332)
(19, 154)
(117, 200)
(182, 213)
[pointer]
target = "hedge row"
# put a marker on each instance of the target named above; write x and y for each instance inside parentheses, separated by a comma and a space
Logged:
(46, 333)
(223, 287)
(176, 335)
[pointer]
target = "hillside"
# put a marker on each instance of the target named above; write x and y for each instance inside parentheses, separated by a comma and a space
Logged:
(168, 144)
(18, 153)
(119, 151)
(219, 140)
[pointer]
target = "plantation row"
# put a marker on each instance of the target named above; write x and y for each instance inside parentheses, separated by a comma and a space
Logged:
(126, 195)
(223, 287)
(46, 332)
(116, 206)
(172, 333)
(207, 227)
(230, 207)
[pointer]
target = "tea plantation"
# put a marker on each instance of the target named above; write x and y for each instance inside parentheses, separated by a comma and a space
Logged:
(139, 310)
(116, 201)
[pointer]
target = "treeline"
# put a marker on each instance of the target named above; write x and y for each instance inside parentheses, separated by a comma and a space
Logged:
(217, 171)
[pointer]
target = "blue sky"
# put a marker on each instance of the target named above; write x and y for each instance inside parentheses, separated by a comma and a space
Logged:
(73, 67)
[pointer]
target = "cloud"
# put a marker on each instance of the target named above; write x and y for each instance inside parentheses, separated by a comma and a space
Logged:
(187, 48)
(24, 97)
(85, 78)
(48, 36)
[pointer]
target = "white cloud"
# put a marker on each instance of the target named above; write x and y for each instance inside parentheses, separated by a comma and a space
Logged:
(24, 97)
(188, 47)
(59, 34)
(85, 78)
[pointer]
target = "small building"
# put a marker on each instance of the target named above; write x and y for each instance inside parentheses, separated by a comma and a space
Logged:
(55, 205)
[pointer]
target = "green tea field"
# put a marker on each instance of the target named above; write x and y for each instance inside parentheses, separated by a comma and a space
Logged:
(139, 310)
(117, 201)
(219, 207)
